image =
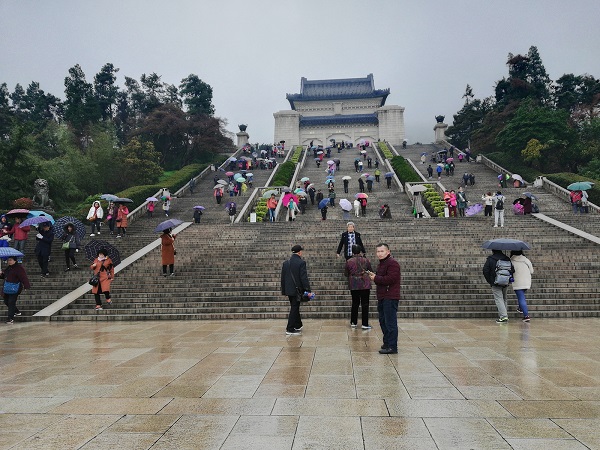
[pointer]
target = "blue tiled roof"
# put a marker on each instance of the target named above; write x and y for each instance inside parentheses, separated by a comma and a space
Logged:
(339, 120)
(338, 89)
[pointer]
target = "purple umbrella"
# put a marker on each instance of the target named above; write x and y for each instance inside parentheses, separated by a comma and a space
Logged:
(474, 209)
(201, 208)
(35, 221)
(229, 205)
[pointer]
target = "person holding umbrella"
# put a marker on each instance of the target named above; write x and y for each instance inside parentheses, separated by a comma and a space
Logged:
(95, 215)
(70, 246)
(105, 271)
(20, 235)
(111, 216)
(43, 247)
(167, 252)
(197, 213)
(490, 272)
(122, 221)
(15, 280)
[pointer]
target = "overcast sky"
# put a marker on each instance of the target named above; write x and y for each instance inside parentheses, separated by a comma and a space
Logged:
(254, 52)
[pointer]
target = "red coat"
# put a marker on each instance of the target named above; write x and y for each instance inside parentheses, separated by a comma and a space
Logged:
(106, 273)
(167, 249)
(388, 279)
(122, 216)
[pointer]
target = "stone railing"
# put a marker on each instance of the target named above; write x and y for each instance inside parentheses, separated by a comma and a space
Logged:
(560, 191)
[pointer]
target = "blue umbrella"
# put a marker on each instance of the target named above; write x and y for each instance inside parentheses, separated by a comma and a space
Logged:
(108, 197)
(370, 178)
(323, 203)
(506, 244)
(171, 223)
(48, 217)
(61, 224)
(580, 186)
(389, 174)
(5, 252)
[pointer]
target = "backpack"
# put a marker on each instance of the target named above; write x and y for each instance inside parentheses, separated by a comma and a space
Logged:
(503, 273)
(500, 203)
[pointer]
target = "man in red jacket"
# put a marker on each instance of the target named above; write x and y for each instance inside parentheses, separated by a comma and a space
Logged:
(387, 280)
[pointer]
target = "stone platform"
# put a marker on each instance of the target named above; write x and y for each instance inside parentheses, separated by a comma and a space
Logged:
(455, 384)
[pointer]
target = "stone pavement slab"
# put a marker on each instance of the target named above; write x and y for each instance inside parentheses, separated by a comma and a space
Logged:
(213, 384)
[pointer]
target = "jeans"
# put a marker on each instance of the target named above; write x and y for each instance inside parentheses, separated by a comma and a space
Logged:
(520, 293)
(500, 299)
(294, 319)
(272, 214)
(360, 297)
(11, 302)
(388, 320)
(498, 216)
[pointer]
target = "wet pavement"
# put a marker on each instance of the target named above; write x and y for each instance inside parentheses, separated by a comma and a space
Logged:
(454, 384)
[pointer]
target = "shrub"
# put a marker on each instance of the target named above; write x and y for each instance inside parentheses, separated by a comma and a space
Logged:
(385, 150)
(297, 153)
(284, 174)
(404, 170)
(23, 202)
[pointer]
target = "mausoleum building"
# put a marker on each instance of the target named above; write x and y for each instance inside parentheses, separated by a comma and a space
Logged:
(348, 109)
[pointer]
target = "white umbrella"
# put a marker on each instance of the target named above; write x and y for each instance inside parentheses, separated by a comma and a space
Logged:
(418, 188)
(345, 204)
(346, 177)
(518, 177)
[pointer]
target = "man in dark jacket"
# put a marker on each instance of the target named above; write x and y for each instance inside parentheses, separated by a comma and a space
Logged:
(44, 246)
(294, 282)
(387, 280)
(489, 272)
(349, 238)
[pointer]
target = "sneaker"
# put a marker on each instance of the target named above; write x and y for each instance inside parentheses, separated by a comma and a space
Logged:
(75, 266)
(118, 236)
(98, 233)
(92, 235)
(299, 329)
(388, 351)
(366, 327)
(172, 274)
(353, 325)
(98, 307)
(164, 274)
(10, 322)
(293, 333)
(18, 313)
(502, 320)
(109, 302)
(495, 226)
(519, 310)
(526, 319)
(67, 269)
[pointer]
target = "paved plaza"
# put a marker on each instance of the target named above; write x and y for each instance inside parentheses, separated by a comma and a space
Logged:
(455, 384)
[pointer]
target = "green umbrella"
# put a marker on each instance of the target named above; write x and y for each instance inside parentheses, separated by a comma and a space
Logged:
(580, 186)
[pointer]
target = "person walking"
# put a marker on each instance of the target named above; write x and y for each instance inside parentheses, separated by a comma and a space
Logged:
(150, 209)
(311, 194)
(111, 217)
(363, 206)
(377, 175)
(332, 198)
(523, 271)
(95, 215)
(70, 246)
(418, 206)
(166, 206)
(15, 280)
(43, 247)
(349, 238)
(105, 271)
(218, 193)
(429, 172)
(231, 211)
(122, 220)
(346, 182)
(294, 282)
(499, 209)
(167, 252)
(356, 269)
(197, 215)
(387, 280)
(361, 185)
(192, 185)
(20, 235)
(491, 270)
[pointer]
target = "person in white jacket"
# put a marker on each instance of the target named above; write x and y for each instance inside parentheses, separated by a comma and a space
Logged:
(95, 215)
(522, 276)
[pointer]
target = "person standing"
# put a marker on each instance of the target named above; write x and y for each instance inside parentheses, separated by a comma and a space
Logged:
(349, 238)
(95, 215)
(167, 252)
(15, 280)
(105, 271)
(499, 209)
(357, 269)
(523, 271)
(111, 216)
(377, 175)
(462, 201)
(197, 215)
(311, 193)
(363, 206)
(319, 196)
(294, 282)
(122, 220)
(166, 206)
(70, 246)
(231, 211)
(20, 235)
(218, 195)
(488, 200)
(150, 209)
(361, 185)
(346, 182)
(387, 280)
(332, 198)
(43, 247)
(429, 172)
(192, 185)
(499, 291)
(272, 206)
(418, 206)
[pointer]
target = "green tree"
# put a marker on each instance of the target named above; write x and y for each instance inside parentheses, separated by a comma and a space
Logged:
(81, 108)
(468, 119)
(105, 90)
(154, 91)
(197, 95)
(139, 162)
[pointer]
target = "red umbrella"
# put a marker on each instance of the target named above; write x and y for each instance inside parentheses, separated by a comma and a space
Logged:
(229, 174)
(361, 195)
(18, 212)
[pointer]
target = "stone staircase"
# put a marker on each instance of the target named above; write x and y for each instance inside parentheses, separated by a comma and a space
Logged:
(233, 271)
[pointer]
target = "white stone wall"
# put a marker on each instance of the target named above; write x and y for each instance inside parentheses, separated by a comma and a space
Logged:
(391, 123)
(331, 108)
(320, 135)
(287, 127)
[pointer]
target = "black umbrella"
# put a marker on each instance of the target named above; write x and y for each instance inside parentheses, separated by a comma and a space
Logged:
(506, 244)
(94, 246)
(122, 200)
(61, 224)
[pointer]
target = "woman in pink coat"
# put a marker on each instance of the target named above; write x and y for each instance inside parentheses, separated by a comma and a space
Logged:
(104, 269)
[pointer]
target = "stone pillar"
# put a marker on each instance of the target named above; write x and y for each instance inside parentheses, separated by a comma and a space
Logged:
(242, 138)
(391, 123)
(440, 132)
(287, 128)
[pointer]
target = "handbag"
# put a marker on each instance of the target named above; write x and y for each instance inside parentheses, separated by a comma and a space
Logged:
(300, 297)
(11, 288)
(65, 246)
(94, 280)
